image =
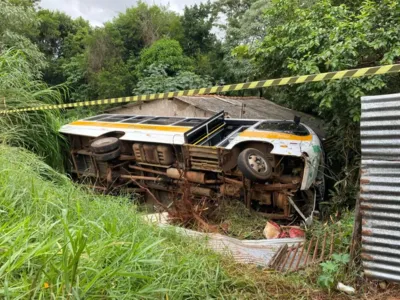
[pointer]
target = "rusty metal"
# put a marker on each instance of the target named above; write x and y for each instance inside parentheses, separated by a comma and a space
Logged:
(289, 179)
(230, 190)
(280, 200)
(380, 186)
(119, 165)
(150, 193)
(309, 250)
(297, 257)
(147, 170)
(109, 175)
(126, 157)
(323, 247)
(75, 164)
(293, 258)
(204, 158)
(262, 197)
(300, 257)
(276, 186)
(232, 181)
(202, 191)
(278, 257)
(282, 266)
(315, 250)
(134, 177)
(197, 177)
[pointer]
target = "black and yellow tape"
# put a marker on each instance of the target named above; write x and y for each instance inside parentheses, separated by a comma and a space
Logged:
(354, 73)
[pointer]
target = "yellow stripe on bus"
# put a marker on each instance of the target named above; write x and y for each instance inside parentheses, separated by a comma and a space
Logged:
(131, 126)
(274, 135)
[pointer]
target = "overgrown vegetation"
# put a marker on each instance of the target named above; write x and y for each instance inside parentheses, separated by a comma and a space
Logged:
(58, 240)
(36, 131)
(62, 241)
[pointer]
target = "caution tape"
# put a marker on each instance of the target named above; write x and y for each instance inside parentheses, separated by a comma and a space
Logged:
(354, 73)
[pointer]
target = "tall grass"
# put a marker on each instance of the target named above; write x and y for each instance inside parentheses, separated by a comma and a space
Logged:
(58, 241)
(36, 131)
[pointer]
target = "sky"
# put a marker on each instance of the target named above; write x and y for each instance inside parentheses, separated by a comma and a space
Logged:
(99, 11)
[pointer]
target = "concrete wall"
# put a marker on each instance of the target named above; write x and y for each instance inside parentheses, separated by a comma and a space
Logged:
(168, 108)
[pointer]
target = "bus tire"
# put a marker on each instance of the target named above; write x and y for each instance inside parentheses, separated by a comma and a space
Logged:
(254, 165)
(107, 156)
(104, 145)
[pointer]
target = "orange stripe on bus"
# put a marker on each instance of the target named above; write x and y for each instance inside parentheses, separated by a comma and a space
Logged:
(131, 126)
(275, 135)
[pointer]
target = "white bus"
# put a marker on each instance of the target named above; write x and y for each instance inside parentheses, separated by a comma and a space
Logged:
(272, 165)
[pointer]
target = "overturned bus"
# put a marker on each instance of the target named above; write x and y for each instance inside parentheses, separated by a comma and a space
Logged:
(273, 166)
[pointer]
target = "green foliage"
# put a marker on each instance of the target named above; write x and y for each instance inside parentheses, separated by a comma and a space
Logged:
(36, 131)
(61, 39)
(332, 270)
(17, 25)
(197, 22)
(164, 52)
(75, 72)
(245, 20)
(340, 225)
(112, 81)
(60, 241)
(142, 25)
(323, 37)
(158, 81)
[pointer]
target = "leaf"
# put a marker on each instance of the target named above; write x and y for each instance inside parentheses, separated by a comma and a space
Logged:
(325, 281)
(341, 258)
(329, 267)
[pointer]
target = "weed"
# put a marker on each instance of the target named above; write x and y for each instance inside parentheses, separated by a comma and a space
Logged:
(332, 270)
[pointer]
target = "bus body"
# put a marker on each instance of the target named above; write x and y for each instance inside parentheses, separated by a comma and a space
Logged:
(266, 163)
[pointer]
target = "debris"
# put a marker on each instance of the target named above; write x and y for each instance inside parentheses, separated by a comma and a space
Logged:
(272, 230)
(383, 285)
(345, 288)
(296, 232)
(257, 252)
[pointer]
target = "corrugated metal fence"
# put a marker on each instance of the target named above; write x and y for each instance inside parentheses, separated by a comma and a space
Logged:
(380, 186)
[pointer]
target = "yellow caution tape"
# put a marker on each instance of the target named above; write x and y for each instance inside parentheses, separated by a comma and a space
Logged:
(354, 73)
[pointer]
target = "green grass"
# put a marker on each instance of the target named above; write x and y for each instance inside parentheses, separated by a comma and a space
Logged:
(59, 241)
(36, 131)
(236, 220)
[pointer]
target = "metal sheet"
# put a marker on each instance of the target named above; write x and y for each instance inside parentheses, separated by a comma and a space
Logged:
(380, 186)
(258, 252)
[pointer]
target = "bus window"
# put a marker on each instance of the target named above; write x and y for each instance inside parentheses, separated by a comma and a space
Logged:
(284, 126)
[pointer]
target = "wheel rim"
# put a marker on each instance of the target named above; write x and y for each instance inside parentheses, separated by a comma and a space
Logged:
(258, 163)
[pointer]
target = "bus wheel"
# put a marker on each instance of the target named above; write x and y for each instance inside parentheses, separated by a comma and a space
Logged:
(107, 156)
(105, 145)
(254, 165)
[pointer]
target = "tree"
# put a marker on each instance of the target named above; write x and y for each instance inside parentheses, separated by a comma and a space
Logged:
(197, 22)
(111, 81)
(60, 38)
(158, 81)
(233, 11)
(17, 25)
(164, 52)
(142, 25)
(323, 38)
